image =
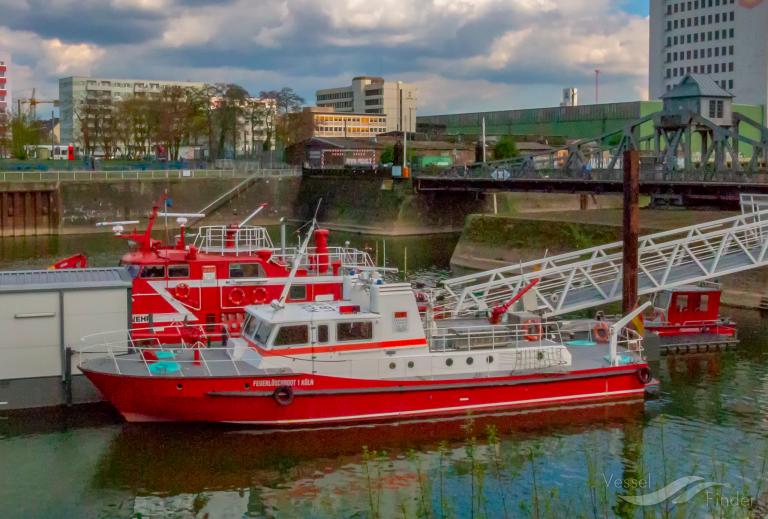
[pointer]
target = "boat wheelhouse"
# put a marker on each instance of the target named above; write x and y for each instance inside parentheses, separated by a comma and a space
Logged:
(368, 357)
(689, 310)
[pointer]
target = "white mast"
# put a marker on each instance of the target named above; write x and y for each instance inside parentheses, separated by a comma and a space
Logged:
(280, 303)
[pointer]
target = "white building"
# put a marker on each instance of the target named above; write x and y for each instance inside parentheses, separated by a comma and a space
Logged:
(74, 90)
(257, 126)
(372, 95)
(724, 39)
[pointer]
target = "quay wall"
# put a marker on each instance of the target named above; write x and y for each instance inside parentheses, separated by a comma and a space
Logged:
(369, 205)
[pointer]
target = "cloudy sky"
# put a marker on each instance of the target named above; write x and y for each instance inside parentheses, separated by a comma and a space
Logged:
(464, 55)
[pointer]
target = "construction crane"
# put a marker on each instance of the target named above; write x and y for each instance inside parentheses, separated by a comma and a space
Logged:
(33, 101)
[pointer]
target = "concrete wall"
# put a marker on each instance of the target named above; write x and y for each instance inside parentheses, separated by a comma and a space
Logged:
(85, 203)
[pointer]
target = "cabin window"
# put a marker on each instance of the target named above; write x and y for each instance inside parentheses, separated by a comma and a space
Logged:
(246, 270)
(153, 271)
(292, 335)
(133, 270)
(262, 332)
(250, 326)
(298, 292)
(355, 331)
(322, 333)
(704, 303)
(682, 302)
(178, 271)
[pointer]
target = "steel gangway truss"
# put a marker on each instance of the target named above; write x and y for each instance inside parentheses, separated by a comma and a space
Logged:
(592, 277)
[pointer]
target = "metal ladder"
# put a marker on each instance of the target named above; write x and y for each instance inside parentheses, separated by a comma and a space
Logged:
(592, 277)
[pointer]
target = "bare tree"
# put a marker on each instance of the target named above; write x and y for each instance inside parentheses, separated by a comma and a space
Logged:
(286, 99)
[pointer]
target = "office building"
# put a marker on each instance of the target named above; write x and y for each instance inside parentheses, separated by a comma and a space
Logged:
(723, 39)
(373, 95)
(73, 91)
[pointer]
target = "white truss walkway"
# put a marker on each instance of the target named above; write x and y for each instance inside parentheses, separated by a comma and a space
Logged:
(593, 277)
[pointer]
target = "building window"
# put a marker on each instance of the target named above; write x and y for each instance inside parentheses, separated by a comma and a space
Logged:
(730, 50)
(730, 32)
(730, 66)
(730, 84)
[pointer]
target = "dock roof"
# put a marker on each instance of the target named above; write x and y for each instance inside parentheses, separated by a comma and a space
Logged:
(65, 279)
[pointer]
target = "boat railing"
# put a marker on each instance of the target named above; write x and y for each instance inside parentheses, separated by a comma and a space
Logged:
(134, 351)
(629, 345)
(345, 257)
(491, 337)
(222, 239)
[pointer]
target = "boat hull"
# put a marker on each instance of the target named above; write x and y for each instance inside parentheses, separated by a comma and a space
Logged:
(314, 399)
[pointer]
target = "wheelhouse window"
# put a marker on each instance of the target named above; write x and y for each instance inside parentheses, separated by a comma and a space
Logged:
(292, 335)
(153, 271)
(354, 331)
(262, 333)
(246, 270)
(178, 271)
(250, 326)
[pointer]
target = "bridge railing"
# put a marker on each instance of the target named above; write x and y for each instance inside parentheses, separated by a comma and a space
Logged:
(502, 174)
(80, 176)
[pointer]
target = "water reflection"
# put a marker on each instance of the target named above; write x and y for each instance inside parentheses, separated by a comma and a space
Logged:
(334, 472)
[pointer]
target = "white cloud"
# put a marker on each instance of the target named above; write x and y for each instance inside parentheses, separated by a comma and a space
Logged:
(464, 54)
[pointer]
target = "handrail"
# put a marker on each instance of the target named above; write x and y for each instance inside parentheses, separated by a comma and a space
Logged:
(136, 174)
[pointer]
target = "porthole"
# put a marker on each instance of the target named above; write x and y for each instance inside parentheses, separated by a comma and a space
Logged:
(392, 365)
(540, 355)
(449, 362)
(489, 359)
(247, 385)
(179, 387)
(470, 360)
(410, 364)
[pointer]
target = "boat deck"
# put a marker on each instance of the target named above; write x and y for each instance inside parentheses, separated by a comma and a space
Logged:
(213, 362)
(216, 362)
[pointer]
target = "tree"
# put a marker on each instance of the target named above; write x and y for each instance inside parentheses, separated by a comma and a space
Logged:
(388, 155)
(286, 99)
(173, 119)
(25, 132)
(505, 148)
(5, 132)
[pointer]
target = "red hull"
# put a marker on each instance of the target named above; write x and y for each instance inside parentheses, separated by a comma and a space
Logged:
(324, 400)
(679, 330)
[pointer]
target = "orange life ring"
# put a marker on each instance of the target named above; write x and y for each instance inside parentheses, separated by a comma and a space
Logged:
(534, 335)
(181, 291)
(601, 332)
(237, 297)
(260, 295)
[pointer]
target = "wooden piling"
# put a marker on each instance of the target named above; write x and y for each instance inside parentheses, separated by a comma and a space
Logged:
(630, 229)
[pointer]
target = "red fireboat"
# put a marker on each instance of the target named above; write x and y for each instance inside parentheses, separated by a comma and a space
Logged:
(368, 357)
(224, 269)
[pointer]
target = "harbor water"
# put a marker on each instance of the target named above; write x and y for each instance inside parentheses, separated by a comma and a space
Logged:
(708, 425)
